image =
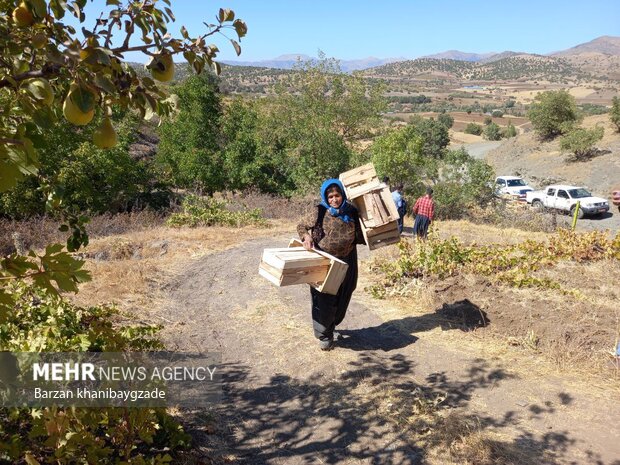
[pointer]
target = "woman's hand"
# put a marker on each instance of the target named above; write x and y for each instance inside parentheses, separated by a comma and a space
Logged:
(307, 242)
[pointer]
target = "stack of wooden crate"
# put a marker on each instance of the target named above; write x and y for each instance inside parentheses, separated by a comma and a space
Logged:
(296, 265)
(373, 199)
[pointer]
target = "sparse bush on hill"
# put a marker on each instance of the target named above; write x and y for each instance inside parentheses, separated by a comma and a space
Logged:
(614, 114)
(513, 265)
(473, 128)
(205, 211)
(580, 142)
(509, 131)
(446, 120)
(492, 132)
(553, 113)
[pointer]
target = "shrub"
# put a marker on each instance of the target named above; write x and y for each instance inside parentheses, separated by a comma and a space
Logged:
(206, 211)
(473, 128)
(446, 120)
(614, 114)
(492, 132)
(497, 113)
(509, 131)
(43, 321)
(581, 141)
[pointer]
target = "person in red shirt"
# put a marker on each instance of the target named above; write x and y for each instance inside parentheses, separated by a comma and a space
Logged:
(424, 211)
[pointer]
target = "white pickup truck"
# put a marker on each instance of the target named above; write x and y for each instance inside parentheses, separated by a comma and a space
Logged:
(512, 186)
(565, 198)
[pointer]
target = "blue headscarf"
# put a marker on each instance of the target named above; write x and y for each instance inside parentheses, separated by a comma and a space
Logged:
(344, 210)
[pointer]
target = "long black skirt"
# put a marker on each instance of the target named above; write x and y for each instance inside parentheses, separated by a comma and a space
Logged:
(328, 310)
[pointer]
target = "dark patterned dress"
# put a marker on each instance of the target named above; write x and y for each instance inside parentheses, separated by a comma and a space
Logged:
(337, 238)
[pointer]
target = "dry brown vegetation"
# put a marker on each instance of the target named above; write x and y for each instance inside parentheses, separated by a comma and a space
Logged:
(565, 333)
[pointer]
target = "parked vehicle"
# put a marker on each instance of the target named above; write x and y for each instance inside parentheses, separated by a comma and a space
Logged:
(565, 198)
(512, 186)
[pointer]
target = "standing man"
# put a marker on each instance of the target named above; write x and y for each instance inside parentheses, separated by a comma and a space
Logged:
(401, 205)
(424, 211)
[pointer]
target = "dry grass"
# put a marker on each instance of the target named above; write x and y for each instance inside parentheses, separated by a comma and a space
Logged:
(464, 441)
(545, 330)
(37, 232)
(132, 269)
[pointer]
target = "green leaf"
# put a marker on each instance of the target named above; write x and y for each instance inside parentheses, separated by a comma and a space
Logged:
(83, 98)
(58, 8)
(184, 33)
(104, 83)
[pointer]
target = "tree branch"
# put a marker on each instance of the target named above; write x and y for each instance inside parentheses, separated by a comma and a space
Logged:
(47, 71)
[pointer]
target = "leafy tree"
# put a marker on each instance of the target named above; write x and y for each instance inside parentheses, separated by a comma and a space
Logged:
(189, 148)
(492, 132)
(317, 116)
(52, 64)
(497, 113)
(553, 113)
(249, 160)
(446, 120)
(464, 182)
(473, 128)
(435, 136)
(398, 154)
(614, 114)
(44, 64)
(580, 141)
(91, 179)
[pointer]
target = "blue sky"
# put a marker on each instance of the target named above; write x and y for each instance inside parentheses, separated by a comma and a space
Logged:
(348, 29)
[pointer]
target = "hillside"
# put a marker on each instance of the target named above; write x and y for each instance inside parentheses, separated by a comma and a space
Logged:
(606, 45)
(518, 67)
(544, 163)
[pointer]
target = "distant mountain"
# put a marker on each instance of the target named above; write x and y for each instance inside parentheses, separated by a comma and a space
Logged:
(607, 45)
(289, 61)
(461, 56)
(501, 56)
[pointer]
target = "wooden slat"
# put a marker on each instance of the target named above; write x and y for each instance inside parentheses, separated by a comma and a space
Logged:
(337, 271)
(358, 175)
(334, 278)
(275, 272)
(265, 274)
(388, 200)
(379, 212)
(354, 192)
(305, 277)
(293, 258)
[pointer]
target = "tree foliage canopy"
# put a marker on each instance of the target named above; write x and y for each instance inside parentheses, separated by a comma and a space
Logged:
(553, 113)
(48, 71)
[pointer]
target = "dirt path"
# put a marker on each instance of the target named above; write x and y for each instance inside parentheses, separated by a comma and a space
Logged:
(286, 402)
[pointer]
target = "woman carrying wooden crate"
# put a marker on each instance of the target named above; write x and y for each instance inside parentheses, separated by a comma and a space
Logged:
(334, 227)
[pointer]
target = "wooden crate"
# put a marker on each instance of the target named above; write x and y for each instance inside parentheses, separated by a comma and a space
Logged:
(381, 235)
(359, 180)
(373, 199)
(376, 208)
(296, 265)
